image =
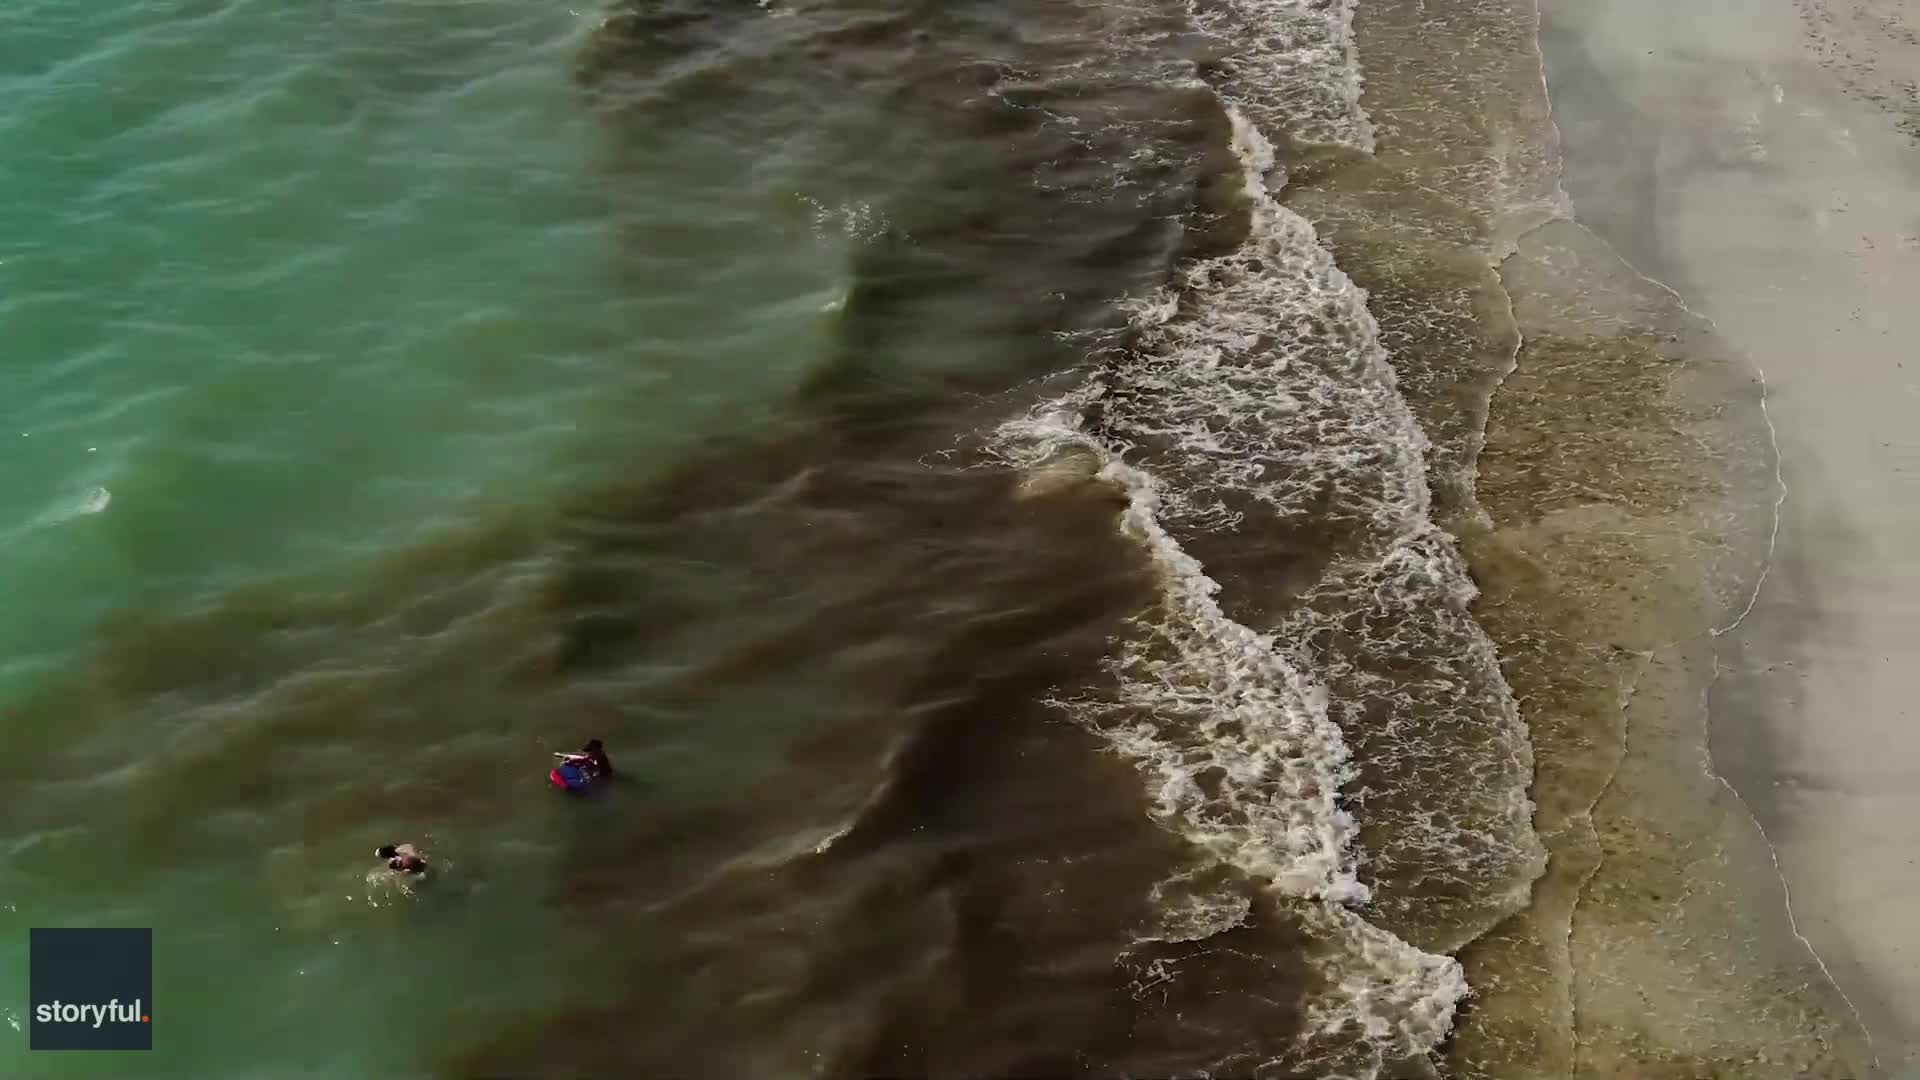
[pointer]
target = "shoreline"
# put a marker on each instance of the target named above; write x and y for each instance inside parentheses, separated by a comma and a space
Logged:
(1630, 516)
(1604, 462)
(1585, 462)
(1717, 154)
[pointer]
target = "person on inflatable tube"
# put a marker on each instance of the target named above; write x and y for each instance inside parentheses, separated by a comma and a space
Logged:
(578, 771)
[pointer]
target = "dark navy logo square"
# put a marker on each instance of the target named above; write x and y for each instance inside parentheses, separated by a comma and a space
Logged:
(90, 989)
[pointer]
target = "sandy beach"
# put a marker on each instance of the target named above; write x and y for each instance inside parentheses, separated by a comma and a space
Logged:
(1762, 161)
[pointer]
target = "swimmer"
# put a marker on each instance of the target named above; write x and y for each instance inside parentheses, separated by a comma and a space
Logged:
(592, 758)
(403, 857)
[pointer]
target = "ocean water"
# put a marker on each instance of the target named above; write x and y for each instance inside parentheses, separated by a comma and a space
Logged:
(297, 296)
(946, 450)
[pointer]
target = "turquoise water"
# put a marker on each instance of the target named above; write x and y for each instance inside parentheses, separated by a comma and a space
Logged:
(289, 290)
(289, 284)
(266, 283)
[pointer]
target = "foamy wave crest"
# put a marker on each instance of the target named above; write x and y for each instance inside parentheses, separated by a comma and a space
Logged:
(1244, 762)
(1247, 766)
(1300, 56)
(1259, 389)
(1260, 375)
(1449, 845)
(1258, 403)
(1398, 1000)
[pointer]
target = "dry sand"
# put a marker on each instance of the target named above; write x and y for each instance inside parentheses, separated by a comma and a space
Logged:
(1757, 157)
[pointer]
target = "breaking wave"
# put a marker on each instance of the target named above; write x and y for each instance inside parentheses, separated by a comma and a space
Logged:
(1255, 407)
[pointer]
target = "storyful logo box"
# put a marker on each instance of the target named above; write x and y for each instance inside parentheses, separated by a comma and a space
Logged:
(90, 989)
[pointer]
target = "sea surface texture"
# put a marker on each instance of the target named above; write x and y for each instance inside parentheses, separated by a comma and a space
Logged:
(1003, 478)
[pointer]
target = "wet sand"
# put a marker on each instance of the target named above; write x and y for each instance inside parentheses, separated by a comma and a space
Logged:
(1728, 154)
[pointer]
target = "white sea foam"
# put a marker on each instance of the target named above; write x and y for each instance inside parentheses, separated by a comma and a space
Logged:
(385, 887)
(1247, 765)
(1238, 743)
(1257, 387)
(853, 219)
(1398, 999)
(1300, 56)
(1184, 909)
(1263, 376)
(94, 500)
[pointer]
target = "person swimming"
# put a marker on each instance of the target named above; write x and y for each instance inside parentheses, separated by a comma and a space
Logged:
(404, 858)
(592, 758)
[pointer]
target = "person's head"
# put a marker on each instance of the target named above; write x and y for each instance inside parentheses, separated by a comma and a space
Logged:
(387, 852)
(593, 746)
